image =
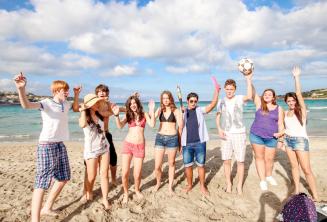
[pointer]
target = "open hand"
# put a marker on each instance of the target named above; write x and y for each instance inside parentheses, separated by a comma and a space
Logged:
(296, 71)
(115, 110)
(151, 106)
(20, 81)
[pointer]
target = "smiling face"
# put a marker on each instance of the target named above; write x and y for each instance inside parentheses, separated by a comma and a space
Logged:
(61, 95)
(133, 105)
(230, 91)
(102, 94)
(268, 96)
(291, 102)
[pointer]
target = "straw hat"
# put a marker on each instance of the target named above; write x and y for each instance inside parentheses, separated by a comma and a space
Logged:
(90, 100)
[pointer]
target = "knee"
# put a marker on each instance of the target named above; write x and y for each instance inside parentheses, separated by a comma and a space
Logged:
(171, 163)
(307, 171)
(104, 173)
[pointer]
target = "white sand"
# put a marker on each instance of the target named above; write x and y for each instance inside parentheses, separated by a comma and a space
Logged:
(17, 161)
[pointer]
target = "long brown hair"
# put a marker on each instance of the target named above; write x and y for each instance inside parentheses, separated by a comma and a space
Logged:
(171, 100)
(130, 115)
(264, 107)
(297, 108)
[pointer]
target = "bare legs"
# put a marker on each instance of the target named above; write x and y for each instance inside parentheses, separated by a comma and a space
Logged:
(189, 178)
(138, 163)
(302, 158)
(240, 173)
(38, 197)
(159, 154)
(264, 162)
(92, 166)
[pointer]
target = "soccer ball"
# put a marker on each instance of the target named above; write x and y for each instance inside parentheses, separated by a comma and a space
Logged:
(246, 66)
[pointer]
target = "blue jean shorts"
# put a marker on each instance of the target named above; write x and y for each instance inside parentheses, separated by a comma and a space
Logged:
(268, 142)
(195, 151)
(297, 143)
(166, 141)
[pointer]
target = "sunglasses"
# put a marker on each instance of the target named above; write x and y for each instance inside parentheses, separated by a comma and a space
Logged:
(193, 101)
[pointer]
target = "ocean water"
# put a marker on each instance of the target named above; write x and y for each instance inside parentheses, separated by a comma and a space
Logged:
(18, 125)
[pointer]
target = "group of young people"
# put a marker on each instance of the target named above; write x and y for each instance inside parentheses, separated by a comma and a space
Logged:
(181, 129)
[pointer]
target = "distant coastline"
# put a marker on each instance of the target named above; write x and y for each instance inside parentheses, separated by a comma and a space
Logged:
(11, 98)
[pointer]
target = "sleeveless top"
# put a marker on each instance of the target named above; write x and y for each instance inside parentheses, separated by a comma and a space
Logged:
(171, 118)
(265, 124)
(293, 126)
(140, 124)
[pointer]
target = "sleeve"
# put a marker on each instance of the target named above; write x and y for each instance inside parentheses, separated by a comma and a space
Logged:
(43, 105)
(203, 109)
(239, 99)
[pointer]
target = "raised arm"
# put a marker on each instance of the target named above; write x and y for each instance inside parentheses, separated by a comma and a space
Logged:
(249, 88)
(82, 119)
(213, 103)
(150, 117)
(256, 98)
(20, 82)
(296, 73)
(120, 124)
(77, 90)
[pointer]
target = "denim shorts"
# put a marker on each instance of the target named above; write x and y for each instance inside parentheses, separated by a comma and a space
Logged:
(195, 151)
(166, 141)
(297, 143)
(268, 142)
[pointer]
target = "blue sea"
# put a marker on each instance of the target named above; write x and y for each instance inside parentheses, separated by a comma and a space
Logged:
(18, 125)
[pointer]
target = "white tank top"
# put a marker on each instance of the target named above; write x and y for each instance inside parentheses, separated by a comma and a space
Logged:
(93, 140)
(293, 126)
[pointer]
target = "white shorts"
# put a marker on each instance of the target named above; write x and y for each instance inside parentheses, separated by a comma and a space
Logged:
(234, 142)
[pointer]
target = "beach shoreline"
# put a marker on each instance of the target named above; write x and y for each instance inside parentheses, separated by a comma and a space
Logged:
(17, 177)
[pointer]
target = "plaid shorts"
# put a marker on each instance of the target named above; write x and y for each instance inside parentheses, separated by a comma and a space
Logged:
(234, 142)
(52, 162)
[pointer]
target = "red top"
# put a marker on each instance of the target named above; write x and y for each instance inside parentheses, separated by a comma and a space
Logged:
(140, 123)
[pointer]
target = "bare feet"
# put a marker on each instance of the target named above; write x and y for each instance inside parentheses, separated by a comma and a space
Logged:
(125, 198)
(49, 212)
(171, 192)
(239, 190)
(156, 188)
(228, 188)
(106, 204)
(139, 195)
(187, 189)
(89, 195)
(204, 191)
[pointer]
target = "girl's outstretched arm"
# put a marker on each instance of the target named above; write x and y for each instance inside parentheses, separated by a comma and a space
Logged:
(120, 124)
(296, 73)
(150, 117)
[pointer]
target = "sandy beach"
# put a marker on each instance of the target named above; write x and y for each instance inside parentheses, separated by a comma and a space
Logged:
(18, 168)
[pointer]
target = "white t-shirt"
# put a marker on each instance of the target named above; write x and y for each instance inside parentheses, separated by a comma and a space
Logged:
(231, 110)
(54, 121)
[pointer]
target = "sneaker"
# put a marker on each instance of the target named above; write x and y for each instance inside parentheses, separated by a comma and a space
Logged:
(263, 185)
(271, 180)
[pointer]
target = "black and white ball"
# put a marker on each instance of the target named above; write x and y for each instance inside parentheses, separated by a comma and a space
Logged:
(246, 66)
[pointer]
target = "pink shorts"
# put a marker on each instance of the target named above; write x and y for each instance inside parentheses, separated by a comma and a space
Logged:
(136, 150)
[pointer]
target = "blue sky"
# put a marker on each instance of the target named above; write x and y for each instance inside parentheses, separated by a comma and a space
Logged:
(150, 46)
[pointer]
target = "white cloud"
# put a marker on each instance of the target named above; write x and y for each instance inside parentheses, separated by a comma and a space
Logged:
(120, 70)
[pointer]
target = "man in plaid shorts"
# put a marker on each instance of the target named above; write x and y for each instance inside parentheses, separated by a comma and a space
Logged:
(232, 131)
(52, 160)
